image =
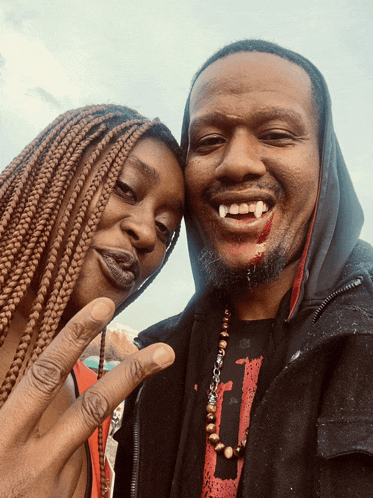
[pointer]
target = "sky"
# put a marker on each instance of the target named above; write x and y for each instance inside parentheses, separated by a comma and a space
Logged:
(57, 55)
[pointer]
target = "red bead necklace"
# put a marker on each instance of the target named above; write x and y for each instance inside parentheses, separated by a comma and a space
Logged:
(229, 452)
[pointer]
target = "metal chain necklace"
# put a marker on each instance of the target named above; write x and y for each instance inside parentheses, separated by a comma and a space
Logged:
(229, 452)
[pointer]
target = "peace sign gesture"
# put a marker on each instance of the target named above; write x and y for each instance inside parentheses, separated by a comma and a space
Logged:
(39, 459)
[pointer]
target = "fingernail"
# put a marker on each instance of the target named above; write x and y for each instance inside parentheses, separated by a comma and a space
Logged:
(163, 356)
(100, 311)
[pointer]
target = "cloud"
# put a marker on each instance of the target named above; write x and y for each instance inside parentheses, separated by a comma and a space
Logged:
(16, 19)
(44, 95)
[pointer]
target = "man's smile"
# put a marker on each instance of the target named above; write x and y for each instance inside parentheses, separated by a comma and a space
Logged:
(251, 209)
(244, 213)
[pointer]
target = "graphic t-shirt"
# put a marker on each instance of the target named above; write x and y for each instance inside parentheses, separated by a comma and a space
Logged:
(248, 343)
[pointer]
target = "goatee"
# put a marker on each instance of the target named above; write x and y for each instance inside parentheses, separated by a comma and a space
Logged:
(221, 277)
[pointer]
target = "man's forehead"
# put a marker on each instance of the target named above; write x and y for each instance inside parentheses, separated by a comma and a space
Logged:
(250, 71)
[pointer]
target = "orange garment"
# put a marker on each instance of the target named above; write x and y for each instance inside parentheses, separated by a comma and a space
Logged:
(85, 378)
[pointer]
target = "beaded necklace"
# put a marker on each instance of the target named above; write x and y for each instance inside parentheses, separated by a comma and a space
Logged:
(229, 452)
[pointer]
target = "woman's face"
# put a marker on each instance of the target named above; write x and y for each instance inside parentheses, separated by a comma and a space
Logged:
(140, 217)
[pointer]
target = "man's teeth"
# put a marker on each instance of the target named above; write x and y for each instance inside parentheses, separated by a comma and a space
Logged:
(223, 211)
(258, 208)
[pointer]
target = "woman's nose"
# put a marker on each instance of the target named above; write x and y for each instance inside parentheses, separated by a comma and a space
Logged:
(141, 230)
(242, 160)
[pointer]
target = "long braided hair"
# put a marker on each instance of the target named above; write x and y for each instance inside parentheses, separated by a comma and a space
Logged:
(32, 189)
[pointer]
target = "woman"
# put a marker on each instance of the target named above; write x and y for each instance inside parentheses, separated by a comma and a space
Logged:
(90, 209)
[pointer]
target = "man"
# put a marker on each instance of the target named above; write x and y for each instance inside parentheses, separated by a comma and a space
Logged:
(271, 391)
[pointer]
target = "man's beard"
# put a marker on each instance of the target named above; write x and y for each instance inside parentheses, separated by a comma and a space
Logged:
(221, 277)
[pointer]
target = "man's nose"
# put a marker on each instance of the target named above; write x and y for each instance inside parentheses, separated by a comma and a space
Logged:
(141, 230)
(242, 160)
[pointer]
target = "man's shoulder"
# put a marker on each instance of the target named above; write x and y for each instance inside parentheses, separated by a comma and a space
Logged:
(360, 260)
(362, 256)
(160, 331)
(164, 330)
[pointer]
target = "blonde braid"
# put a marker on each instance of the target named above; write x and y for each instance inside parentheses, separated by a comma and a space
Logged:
(25, 341)
(48, 214)
(32, 188)
(73, 261)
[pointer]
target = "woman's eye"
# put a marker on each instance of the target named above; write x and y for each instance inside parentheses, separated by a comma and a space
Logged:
(123, 190)
(164, 232)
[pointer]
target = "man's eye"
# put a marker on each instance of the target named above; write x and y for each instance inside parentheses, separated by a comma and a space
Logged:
(123, 190)
(208, 143)
(278, 137)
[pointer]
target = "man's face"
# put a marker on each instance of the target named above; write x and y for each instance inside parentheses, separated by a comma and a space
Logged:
(253, 163)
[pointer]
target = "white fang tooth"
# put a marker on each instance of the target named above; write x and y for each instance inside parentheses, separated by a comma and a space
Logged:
(259, 209)
(223, 211)
(243, 209)
(233, 209)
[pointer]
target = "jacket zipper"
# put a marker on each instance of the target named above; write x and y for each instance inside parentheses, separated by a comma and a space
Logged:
(345, 288)
(136, 447)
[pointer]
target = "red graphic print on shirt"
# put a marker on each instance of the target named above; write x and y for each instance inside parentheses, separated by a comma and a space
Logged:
(214, 487)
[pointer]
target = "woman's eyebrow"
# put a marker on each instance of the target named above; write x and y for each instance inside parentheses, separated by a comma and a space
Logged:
(177, 206)
(145, 168)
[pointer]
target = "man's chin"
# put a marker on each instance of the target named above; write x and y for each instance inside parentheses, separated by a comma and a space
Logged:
(223, 277)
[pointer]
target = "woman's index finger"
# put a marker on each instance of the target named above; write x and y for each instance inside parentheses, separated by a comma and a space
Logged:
(44, 379)
(101, 399)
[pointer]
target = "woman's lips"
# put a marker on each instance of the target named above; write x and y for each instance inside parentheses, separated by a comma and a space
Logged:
(122, 267)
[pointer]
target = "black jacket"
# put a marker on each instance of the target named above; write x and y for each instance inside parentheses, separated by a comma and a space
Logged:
(311, 433)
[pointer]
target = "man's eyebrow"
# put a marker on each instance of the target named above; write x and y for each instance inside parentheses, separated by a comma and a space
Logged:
(265, 114)
(257, 117)
(145, 168)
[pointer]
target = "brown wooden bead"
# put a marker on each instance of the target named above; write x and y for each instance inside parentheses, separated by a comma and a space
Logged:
(225, 326)
(238, 451)
(210, 417)
(223, 344)
(243, 443)
(227, 313)
(214, 438)
(222, 352)
(219, 447)
(226, 319)
(228, 452)
(211, 408)
(210, 428)
(224, 335)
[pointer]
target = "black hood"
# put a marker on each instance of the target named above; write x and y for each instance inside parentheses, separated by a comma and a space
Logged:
(336, 223)
(335, 226)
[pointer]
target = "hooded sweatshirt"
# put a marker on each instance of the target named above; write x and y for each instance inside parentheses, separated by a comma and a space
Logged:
(311, 430)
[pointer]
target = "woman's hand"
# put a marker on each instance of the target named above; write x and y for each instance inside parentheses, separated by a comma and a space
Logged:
(37, 466)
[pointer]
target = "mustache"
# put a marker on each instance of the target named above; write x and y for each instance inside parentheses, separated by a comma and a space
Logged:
(214, 190)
